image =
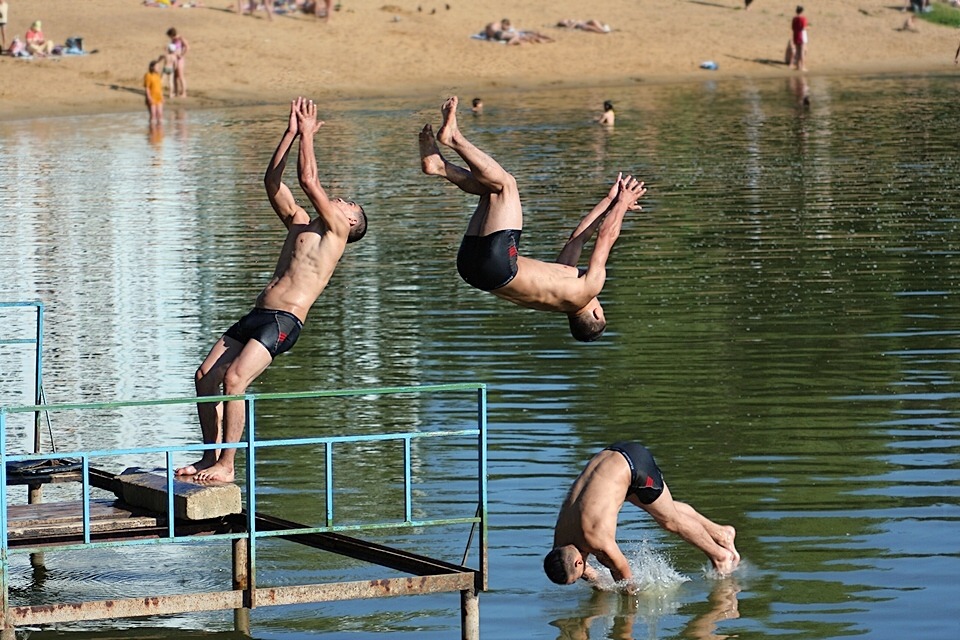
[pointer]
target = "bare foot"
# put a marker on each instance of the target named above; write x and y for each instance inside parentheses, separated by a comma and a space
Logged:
(448, 130)
(431, 162)
(725, 537)
(218, 472)
(196, 467)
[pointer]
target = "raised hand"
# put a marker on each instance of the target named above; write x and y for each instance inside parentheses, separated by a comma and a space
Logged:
(615, 187)
(630, 191)
(293, 126)
(307, 118)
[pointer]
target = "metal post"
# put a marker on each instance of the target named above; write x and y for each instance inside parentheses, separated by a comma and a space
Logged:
(469, 615)
(482, 445)
(241, 616)
(35, 491)
(7, 632)
(251, 539)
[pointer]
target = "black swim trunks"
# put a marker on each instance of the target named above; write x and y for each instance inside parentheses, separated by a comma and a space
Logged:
(276, 330)
(647, 481)
(489, 262)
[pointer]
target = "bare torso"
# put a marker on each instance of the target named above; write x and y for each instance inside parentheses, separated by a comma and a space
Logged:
(546, 286)
(588, 516)
(307, 261)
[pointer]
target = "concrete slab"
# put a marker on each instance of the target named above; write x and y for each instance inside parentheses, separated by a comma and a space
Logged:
(191, 500)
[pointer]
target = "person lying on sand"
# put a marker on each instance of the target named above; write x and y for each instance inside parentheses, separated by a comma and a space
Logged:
(504, 31)
(593, 26)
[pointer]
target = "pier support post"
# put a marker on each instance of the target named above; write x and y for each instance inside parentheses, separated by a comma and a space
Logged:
(241, 581)
(35, 496)
(469, 615)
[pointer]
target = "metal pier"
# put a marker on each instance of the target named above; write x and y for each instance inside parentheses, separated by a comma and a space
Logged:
(96, 523)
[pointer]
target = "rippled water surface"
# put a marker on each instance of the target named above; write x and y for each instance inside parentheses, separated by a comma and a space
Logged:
(783, 321)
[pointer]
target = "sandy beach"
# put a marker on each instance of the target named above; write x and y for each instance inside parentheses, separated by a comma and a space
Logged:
(384, 48)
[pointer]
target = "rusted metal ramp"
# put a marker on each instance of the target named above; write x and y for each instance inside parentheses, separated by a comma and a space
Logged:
(53, 525)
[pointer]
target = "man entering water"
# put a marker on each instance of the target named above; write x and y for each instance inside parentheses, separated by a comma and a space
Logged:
(587, 524)
(489, 256)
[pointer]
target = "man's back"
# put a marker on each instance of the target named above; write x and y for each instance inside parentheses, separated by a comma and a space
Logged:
(588, 516)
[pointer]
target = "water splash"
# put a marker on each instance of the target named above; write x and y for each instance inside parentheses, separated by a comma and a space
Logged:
(651, 569)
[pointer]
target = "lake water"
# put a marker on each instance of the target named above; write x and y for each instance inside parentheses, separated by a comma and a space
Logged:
(783, 322)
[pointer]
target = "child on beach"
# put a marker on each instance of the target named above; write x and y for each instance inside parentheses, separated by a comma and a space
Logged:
(153, 91)
(168, 62)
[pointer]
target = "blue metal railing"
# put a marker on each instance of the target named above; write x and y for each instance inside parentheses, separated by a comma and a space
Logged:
(37, 342)
(250, 444)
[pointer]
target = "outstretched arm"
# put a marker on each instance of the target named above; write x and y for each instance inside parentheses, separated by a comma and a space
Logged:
(631, 190)
(332, 217)
(612, 558)
(570, 254)
(277, 192)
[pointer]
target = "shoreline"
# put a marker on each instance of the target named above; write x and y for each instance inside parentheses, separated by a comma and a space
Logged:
(371, 50)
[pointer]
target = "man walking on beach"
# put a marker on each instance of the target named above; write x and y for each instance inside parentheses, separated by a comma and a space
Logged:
(489, 259)
(307, 260)
(587, 524)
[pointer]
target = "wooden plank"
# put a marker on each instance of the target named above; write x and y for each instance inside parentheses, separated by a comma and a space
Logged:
(66, 518)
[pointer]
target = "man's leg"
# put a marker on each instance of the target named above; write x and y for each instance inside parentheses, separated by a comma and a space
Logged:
(681, 520)
(723, 535)
(208, 381)
(433, 163)
(252, 361)
(500, 207)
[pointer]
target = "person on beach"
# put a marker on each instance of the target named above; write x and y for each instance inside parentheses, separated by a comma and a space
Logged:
(489, 253)
(4, 9)
(504, 31)
(168, 65)
(180, 68)
(307, 261)
(799, 26)
(153, 90)
(587, 523)
(591, 25)
(37, 44)
(325, 11)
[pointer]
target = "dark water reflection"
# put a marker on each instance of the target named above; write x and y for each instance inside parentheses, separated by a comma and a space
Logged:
(782, 335)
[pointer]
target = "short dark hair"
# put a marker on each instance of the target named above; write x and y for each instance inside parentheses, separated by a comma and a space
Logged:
(554, 567)
(585, 328)
(358, 230)
(607, 106)
(799, 9)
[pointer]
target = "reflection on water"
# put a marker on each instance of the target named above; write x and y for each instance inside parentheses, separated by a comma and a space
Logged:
(782, 335)
(603, 614)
